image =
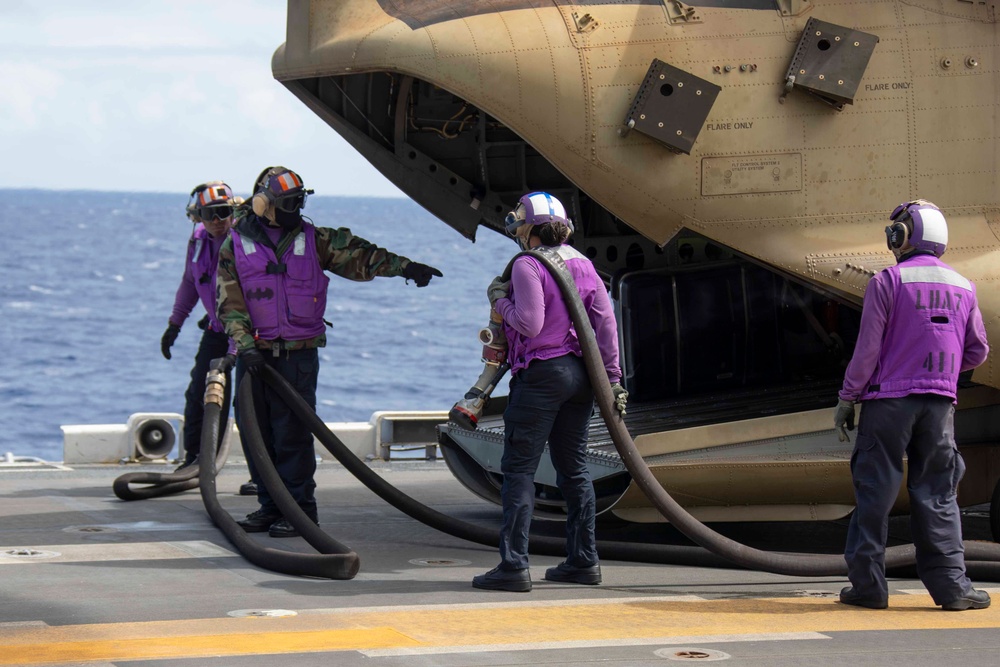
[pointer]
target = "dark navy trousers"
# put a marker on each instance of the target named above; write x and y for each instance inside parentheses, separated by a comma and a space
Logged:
(212, 346)
(549, 400)
(288, 441)
(922, 426)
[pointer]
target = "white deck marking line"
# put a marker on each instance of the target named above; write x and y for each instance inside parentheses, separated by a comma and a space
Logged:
(149, 526)
(93, 553)
(472, 606)
(32, 466)
(202, 549)
(643, 641)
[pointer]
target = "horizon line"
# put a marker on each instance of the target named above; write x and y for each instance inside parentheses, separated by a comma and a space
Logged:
(173, 193)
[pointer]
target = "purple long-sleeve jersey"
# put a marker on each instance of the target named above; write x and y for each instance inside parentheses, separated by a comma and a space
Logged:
(920, 327)
(537, 322)
(198, 281)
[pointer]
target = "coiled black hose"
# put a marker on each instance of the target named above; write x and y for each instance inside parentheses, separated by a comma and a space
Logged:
(335, 561)
(165, 484)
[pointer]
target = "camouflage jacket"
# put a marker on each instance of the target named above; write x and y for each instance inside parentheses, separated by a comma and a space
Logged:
(338, 251)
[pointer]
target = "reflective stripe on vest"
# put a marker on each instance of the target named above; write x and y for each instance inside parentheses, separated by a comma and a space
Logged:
(298, 247)
(249, 247)
(933, 274)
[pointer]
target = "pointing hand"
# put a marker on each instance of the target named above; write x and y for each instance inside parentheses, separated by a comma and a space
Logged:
(420, 273)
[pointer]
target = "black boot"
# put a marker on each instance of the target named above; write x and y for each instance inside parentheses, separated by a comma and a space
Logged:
(284, 528)
(568, 574)
(849, 596)
(188, 462)
(259, 521)
(497, 579)
(974, 599)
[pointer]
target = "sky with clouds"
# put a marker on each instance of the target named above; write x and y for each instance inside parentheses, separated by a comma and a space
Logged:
(155, 96)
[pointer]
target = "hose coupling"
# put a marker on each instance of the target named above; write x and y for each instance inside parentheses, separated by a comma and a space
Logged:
(215, 387)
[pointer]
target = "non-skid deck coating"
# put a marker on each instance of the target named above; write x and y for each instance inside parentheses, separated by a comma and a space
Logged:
(88, 579)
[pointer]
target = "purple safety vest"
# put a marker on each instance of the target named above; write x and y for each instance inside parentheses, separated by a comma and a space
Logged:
(289, 304)
(924, 339)
(204, 257)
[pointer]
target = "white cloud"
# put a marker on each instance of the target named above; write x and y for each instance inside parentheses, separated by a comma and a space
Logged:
(158, 96)
(27, 93)
(144, 24)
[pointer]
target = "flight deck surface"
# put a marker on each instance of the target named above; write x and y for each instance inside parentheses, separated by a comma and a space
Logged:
(90, 579)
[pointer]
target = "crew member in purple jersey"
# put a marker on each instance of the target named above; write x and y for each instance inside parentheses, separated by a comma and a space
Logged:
(551, 398)
(920, 328)
(211, 209)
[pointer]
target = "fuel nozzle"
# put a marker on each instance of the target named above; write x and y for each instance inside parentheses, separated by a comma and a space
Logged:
(466, 412)
(494, 340)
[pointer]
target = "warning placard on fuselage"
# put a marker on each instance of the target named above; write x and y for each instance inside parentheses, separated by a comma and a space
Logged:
(752, 174)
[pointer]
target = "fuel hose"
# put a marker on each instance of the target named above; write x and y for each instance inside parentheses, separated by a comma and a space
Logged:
(546, 546)
(164, 484)
(335, 561)
(982, 558)
(714, 550)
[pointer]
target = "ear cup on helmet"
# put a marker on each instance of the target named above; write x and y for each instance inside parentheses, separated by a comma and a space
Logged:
(281, 187)
(897, 235)
(262, 197)
(260, 202)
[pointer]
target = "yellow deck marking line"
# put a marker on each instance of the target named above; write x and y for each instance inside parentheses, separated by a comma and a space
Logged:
(194, 646)
(442, 626)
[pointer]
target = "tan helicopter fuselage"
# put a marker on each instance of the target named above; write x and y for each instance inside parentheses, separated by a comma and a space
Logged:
(773, 173)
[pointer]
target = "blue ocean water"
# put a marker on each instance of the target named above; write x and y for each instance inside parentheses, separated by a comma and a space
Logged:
(90, 278)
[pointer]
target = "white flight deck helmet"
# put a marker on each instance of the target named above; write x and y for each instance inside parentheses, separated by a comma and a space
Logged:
(917, 225)
(535, 208)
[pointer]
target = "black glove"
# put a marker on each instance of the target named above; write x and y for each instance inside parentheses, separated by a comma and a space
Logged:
(203, 323)
(223, 364)
(420, 273)
(169, 336)
(844, 419)
(252, 359)
(621, 397)
(498, 289)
